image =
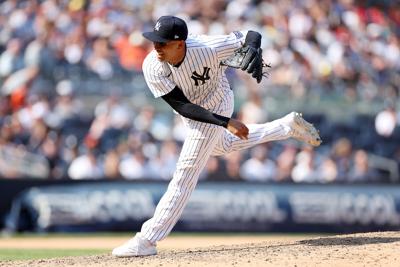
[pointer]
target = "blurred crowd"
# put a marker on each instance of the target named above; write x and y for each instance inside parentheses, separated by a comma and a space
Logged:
(54, 52)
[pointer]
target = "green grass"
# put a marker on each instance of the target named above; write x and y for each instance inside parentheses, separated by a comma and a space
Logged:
(69, 235)
(30, 254)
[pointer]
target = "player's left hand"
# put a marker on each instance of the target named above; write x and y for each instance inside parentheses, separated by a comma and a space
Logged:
(238, 128)
(256, 66)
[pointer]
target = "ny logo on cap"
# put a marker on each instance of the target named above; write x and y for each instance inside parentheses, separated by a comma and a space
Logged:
(158, 25)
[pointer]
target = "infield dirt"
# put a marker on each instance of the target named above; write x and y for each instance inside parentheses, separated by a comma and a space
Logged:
(366, 249)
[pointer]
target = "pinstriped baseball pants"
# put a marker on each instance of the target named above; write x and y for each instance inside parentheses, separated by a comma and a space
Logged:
(203, 140)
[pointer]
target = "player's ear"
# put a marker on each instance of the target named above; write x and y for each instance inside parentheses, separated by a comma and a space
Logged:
(181, 43)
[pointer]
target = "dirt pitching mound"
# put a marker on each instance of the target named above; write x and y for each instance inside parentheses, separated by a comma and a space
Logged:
(367, 249)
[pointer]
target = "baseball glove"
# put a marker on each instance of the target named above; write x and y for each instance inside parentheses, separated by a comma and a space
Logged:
(250, 59)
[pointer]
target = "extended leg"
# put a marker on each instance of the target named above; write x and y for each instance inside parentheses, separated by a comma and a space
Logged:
(291, 125)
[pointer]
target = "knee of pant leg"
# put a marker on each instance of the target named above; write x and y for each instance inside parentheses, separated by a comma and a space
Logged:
(187, 163)
(182, 184)
(224, 147)
(188, 169)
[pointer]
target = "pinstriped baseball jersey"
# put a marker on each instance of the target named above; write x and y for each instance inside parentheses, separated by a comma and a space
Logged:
(200, 76)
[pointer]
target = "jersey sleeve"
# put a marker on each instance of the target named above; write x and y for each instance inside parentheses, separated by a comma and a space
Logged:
(157, 74)
(225, 45)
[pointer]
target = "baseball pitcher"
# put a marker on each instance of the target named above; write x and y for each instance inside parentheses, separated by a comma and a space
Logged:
(188, 72)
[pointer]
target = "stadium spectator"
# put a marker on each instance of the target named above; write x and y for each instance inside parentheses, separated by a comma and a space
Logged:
(86, 166)
(11, 59)
(49, 148)
(285, 162)
(361, 171)
(232, 163)
(67, 109)
(134, 166)
(342, 151)
(328, 171)
(214, 170)
(258, 167)
(162, 166)
(304, 170)
(386, 120)
(111, 164)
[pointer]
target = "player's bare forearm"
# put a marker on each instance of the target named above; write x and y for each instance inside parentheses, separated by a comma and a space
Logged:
(238, 128)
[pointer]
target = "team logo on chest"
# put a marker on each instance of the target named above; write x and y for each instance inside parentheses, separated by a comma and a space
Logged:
(202, 78)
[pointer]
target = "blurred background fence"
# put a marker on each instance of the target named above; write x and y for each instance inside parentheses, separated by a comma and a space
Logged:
(74, 105)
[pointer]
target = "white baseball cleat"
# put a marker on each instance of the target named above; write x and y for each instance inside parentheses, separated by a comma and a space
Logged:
(135, 247)
(301, 129)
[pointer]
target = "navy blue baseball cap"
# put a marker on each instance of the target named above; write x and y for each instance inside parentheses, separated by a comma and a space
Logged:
(168, 28)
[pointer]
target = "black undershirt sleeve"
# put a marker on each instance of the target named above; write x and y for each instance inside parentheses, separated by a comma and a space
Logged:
(178, 101)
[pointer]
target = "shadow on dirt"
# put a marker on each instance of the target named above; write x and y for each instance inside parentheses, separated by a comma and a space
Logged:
(348, 241)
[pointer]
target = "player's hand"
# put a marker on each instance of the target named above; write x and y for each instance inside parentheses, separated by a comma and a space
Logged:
(238, 128)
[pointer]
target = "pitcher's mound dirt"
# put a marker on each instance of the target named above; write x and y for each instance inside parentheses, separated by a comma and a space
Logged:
(367, 249)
